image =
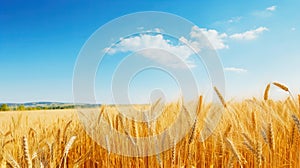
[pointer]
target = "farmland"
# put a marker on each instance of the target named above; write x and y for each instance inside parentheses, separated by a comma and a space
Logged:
(251, 133)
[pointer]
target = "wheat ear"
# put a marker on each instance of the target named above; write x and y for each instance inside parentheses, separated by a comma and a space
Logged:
(249, 147)
(173, 153)
(200, 102)
(284, 88)
(83, 158)
(266, 94)
(220, 96)
(65, 130)
(299, 102)
(293, 134)
(234, 150)
(26, 152)
(258, 154)
(263, 134)
(69, 145)
(253, 117)
(66, 151)
(271, 137)
(192, 135)
(12, 162)
(227, 131)
(296, 121)
(7, 142)
(102, 108)
(249, 140)
(281, 86)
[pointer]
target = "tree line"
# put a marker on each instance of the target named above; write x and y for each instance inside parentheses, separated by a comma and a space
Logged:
(5, 107)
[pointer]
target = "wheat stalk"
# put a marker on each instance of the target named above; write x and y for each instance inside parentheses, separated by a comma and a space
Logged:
(69, 145)
(248, 139)
(155, 104)
(7, 133)
(191, 137)
(271, 137)
(158, 157)
(281, 86)
(231, 162)
(41, 165)
(102, 108)
(134, 127)
(266, 94)
(58, 138)
(26, 152)
(81, 160)
(292, 135)
(8, 142)
(11, 161)
(296, 121)
(200, 102)
(258, 154)
(227, 131)
(299, 103)
(130, 138)
(107, 144)
(263, 134)
(173, 153)
(253, 117)
(249, 147)
(34, 155)
(65, 130)
(221, 98)
(66, 151)
(234, 150)
(3, 163)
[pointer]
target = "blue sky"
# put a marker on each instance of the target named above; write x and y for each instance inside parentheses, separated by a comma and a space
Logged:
(40, 41)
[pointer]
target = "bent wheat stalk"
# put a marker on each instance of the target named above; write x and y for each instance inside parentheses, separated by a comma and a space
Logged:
(281, 86)
(284, 88)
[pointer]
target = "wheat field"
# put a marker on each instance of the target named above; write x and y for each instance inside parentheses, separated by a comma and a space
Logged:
(251, 133)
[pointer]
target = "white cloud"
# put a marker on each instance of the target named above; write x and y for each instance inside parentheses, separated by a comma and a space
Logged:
(293, 29)
(154, 47)
(234, 19)
(147, 45)
(162, 50)
(249, 35)
(199, 37)
(234, 69)
(271, 8)
(265, 13)
(228, 22)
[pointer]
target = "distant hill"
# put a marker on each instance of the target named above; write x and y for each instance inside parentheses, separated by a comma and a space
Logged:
(37, 104)
(44, 105)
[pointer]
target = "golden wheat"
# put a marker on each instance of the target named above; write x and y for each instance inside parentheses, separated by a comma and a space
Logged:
(26, 152)
(221, 98)
(249, 134)
(266, 94)
(281, 86)
(271, 137)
